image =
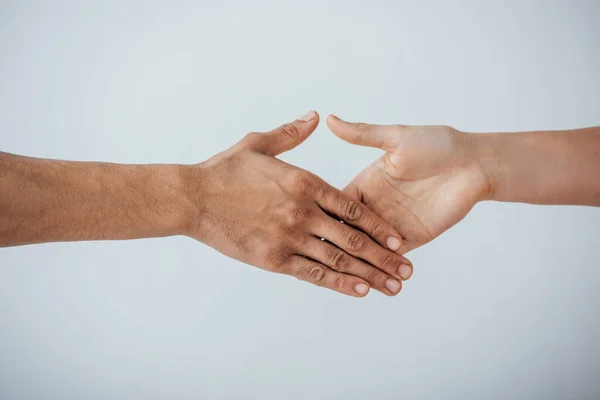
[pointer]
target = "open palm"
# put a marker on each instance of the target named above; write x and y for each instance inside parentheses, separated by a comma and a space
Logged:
(424, 183)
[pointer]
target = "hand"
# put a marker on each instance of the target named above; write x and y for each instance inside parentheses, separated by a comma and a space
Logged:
(273, 215)
(426, 182)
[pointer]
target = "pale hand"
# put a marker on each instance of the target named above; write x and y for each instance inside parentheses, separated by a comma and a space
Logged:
(426, 181)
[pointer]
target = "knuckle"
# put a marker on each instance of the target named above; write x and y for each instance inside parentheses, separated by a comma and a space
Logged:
(374, 276)
(356, 241)
(340, 281)
(302, 182)
(312, 273)
(317, 274)
(288, 234)
(362, 130)
(363, 127)
(386, 260)
(399, 128)
(339, 260)
(352, 210)
(252, 137)
(374, 228)
(300, 240)
(289, 130)
(277, 257)
(300, 213)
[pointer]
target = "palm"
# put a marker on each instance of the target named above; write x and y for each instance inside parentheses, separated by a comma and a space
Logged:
(422, 185)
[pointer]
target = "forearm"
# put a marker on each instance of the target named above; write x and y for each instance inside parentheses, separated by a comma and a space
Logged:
(552, 167)
(48, 200)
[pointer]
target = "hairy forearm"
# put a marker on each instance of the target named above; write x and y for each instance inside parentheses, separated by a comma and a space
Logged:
(47, 200)
(552, 167)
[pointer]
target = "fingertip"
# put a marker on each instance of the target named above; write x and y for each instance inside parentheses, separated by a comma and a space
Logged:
(405, 271)
(362, 289)
(308, 122)
(393, 243)
(309, 116)
(359, 133)
(393, 286)
(340, 128)
(289, 135)
(332, 118)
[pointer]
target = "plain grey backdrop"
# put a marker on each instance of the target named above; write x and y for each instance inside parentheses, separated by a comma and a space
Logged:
(504, 305)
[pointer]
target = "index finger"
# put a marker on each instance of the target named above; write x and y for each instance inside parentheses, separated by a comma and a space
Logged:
(356, 214)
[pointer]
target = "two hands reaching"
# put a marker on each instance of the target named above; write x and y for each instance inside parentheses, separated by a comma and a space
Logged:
(419, 188)
(270, 214)
(253, 207)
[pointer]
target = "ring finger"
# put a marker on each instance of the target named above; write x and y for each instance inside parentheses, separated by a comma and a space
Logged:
(340, 261)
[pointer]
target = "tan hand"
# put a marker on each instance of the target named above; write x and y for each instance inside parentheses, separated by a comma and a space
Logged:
(270, 214)
(426, 181)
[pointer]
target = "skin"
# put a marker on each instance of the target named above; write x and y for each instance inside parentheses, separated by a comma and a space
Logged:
(244, 202)
(430, 177)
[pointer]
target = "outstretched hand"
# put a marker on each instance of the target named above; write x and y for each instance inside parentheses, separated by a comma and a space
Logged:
(426, 181)
(262, 211)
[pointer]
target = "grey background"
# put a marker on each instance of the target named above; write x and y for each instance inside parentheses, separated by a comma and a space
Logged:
(504, 305)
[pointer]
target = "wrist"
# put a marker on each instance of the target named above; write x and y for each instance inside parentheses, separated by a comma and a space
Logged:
(484, 156)
(193, 181)
(177, 210)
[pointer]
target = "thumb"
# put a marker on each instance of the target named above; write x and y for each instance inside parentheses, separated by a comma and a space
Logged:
(287, 136)
(384, 137)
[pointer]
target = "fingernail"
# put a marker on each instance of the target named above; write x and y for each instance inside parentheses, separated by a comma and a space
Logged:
(405, 271)
(392, 285)
(393, 243)
(361, 288)
(308, 116)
